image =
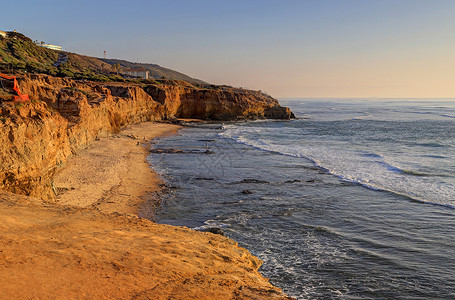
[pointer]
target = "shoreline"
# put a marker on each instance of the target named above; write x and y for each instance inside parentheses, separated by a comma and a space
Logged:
(112, 174)
(93, 245)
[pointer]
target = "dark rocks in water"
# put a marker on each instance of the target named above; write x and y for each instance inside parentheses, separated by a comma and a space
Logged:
(204, 178)
(293, 181)
(278, 112)
(178, 151)
(214, 230)
(172, 151)
(166, 186)
(207, 141)
(247, 192)
(311, 180)
(252, 180)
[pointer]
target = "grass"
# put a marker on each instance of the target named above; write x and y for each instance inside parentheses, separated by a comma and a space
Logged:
(20, 53)
(23, 55)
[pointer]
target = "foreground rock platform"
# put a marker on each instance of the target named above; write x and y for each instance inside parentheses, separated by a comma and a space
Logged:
(64, 252)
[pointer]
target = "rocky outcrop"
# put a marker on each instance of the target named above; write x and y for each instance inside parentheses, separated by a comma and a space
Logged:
(278, 112)
(65, 115)
(183, 100)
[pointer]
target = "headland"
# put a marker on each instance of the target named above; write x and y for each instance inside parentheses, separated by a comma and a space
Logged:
(74, 175)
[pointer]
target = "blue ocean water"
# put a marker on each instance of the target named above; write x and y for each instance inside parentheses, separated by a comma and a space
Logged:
(354, 200)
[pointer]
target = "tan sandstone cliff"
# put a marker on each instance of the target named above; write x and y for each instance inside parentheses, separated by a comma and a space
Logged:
(65, 115)
(70, 252)
(216, 103)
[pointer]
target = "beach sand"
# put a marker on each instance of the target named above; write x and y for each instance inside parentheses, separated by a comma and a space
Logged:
(90, 244)
(113, 175)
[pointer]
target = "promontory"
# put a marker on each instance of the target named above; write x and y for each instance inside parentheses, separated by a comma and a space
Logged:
(74, 132)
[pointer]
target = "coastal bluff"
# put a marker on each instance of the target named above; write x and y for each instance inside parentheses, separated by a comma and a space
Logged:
(65, 115)
(96, 247)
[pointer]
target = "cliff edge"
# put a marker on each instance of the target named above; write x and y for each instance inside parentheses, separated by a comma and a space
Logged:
(65, 115)
(93, 250)
(64, 252)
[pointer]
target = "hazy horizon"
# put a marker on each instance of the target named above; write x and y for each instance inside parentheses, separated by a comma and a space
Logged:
(368, 98)
(289, 48)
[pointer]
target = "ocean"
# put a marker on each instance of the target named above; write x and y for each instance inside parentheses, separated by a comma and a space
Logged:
(353, 200)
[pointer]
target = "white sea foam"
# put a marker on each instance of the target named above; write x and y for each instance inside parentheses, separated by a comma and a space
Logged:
(210, 224)
(372, 170)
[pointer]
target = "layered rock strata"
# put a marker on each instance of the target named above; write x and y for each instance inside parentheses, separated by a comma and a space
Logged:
(65, 115)
(67, 251)
(185, 101)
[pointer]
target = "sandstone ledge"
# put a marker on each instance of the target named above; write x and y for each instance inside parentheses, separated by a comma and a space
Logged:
(72, 253)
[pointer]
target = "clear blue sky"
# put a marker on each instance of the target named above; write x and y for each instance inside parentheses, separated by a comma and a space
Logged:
(289, 48)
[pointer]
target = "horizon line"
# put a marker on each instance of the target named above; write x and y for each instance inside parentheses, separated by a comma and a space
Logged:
(416, 98)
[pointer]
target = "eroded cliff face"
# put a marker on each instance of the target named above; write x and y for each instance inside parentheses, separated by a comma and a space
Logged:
(34, 142)
(65, 115)
(186, 101)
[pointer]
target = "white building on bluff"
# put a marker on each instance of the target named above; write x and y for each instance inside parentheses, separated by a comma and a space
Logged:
(3, 34)
(137, 73)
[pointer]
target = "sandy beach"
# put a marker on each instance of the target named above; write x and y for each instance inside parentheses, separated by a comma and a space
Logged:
(112, 175)
(91, 245)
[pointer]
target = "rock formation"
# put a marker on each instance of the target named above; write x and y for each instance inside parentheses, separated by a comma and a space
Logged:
(66, 252)
(65, 115)
(34, 142)
(216, 103)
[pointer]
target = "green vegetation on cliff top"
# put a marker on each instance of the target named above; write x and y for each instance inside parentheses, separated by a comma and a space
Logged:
(21, 54)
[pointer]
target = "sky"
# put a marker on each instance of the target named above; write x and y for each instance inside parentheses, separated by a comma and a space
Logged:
(287, 48)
